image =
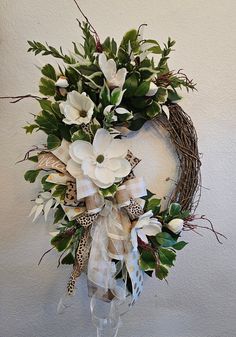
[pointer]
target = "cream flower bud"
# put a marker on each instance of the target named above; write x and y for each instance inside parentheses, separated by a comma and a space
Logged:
(175, 225)
(152, 89)
(62, 82)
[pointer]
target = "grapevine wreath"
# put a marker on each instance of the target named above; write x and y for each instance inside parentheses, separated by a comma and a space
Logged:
(109, 225)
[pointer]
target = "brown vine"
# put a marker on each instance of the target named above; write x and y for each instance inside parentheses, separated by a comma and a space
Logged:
(183, 135)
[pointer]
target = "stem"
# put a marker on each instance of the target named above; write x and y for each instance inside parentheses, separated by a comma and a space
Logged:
(20, 97)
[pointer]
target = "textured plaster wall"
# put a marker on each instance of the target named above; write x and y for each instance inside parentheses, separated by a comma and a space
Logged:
(200, 300)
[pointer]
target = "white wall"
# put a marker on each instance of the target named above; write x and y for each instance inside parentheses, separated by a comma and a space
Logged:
(200, 300)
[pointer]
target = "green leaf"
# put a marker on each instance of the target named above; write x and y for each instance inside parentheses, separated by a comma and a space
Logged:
(147, 260)
(136, 124)
(131, 84)
(81, 135)
(105, 95)
(60, 191)
(167, 256)
(61, 241)
(147, 73)
(47, 122)
(58, 215)
(173, 95)
(174, 209)
(180, 245)
(165, 239)
(47, 87)
(68, 259)
(142, 89)
(153, 110)
(53, 142)
(30, 128)
(110, 191)
(116, 96)
(45, 184)
(49, 72)
(161, 272)
(161, 95)
(46, 105)
(31, 175)
(153, 205)
(33, 159)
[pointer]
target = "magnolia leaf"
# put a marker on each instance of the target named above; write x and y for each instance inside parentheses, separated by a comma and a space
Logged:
(59, 215)
(161, 272)
(165, 239)
(147, 260)
(68, 259)
(174, 209)
(61, 241)
(173, 95)
(153, 110)
(131, 84)
(167, 256)
(60, 191)
(53, 142)
(180, 245)
(110, 191)
(153, 205)
(142, 89)
(161, 95)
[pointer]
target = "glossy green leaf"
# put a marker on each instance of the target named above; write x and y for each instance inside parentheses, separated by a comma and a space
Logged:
(165, 239)
(174, 209)
(167, 256)
(142, 89)
(180, 245)
(161, 272)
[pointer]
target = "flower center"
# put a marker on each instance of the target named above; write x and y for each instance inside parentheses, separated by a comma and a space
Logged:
(83, 113)
(100, 158)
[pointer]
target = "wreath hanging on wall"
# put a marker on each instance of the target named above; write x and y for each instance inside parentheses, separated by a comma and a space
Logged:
(109, 224)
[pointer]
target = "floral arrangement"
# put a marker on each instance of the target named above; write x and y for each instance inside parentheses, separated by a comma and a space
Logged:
(109, 225)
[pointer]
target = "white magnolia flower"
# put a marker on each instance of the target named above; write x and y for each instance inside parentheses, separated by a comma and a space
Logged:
(108, 67)
(78, 108)
(146, 225)
(44, 203)
(152, 89)
(117, 110)
(62, 82)
(103, 161)
(175, 225)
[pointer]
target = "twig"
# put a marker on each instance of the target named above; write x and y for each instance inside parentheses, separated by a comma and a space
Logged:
(48, 251)
(93, 30)
(19, 98)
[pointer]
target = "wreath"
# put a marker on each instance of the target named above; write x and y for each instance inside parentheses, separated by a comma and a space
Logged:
(108, 224)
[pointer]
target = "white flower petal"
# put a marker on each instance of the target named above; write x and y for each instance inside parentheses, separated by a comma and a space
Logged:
(47, 208)
(152, 89)
(38, 211)
(89, 169)
(33, 210)
(81, 150)
(117, 148)
(46, 195)
(113, 164)
(104, 175)
(124, 169)
(152, 229)
(62, 82)
(74, 99)
(122, 111)
(142, 235)
(101, 141)
(119, 79)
